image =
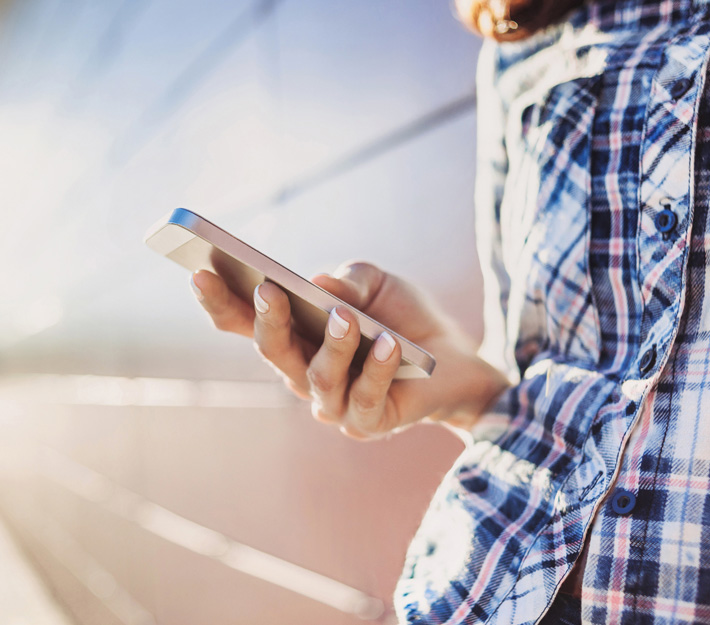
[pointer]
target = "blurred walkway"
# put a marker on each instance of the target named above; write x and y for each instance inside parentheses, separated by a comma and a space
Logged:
(24, 599)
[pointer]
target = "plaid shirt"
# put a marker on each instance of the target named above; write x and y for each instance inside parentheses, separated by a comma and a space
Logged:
(594, 233)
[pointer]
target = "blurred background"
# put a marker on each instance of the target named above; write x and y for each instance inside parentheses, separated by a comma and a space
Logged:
(152, 469)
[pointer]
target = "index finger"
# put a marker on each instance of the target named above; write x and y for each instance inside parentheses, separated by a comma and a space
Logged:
(229, 312)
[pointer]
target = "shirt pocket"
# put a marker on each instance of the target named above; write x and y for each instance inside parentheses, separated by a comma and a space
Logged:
(545, 223)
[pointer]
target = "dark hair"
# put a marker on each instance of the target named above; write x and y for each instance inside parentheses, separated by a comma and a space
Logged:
(509, 20)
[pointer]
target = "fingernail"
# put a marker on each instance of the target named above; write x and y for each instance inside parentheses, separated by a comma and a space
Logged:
(337, 326)
(384, 346)
(196, 289)
(259, 302)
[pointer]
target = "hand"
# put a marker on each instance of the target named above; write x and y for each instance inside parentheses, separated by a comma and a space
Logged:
(372, 403)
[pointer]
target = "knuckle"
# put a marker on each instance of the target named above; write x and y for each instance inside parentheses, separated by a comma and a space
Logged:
(365, 404)
(352, 432)
(317, 411)
(366, 273)
(221, 323)
(378, 380)
(359, 265)
(369, 428)
(343, 268)
(321, 414)
(377, 427)
(369, 415)
(320, 382)
(294, 387)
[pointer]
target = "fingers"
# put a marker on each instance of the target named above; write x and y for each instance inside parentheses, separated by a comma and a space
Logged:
(362, 408)
(268, 322)
(228, 312)
(275, 340)
(329, 371)
(370, 411)
(355, 283)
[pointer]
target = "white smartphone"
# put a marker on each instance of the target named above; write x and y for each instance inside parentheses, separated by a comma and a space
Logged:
(195, 243)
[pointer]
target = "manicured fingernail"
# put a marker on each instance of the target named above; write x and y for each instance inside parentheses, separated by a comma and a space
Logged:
(337, 326)
(384, 346)
(259, 302)
(196, 289)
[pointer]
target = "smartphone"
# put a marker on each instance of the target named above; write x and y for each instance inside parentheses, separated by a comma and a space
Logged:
(195, 243)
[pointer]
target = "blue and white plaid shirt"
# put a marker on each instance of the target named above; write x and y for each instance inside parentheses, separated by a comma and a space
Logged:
(594, 231)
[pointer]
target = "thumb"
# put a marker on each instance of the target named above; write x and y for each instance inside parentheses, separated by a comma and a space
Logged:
(356, 283)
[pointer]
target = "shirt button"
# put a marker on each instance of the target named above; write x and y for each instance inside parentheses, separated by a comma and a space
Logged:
(666, 220)
(648, 360)
(680, 87)
(623, 501)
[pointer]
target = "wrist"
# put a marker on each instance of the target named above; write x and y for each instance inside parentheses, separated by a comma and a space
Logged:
(472, 387)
